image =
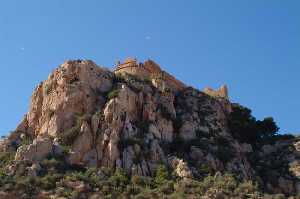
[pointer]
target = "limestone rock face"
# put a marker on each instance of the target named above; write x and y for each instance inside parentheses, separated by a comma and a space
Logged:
(131, 129)
(82, 145)
(38, 150)
(137, 118)
(70, 90)
(180, 167)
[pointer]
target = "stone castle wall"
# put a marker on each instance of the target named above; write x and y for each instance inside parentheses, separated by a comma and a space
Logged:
(149, 70)
(221, 92)
(161, 79)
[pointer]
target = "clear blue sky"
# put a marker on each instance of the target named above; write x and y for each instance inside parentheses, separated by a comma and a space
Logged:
(252, 45)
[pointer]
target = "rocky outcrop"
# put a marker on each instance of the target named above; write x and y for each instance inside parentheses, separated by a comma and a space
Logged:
(72, 89)
(137, 118)
(180, 168)
(37, 151)
(151, 71)
(131, 128)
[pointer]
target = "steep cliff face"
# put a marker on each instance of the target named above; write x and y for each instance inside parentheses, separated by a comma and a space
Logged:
(132, 129)
(98, 118)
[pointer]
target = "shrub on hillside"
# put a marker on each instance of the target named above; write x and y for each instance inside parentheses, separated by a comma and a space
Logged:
(119, 179)
(113, 94)
(161, 175)
(245, 128)
(6, 158)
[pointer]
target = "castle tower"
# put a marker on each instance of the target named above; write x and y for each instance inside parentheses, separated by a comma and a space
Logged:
(129, 62)
(222, 92)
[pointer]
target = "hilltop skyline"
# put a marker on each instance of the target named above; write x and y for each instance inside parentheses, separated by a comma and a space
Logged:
(251, 46)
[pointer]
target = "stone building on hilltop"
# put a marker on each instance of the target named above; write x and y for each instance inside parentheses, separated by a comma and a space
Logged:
(222, 92)
(149, 70)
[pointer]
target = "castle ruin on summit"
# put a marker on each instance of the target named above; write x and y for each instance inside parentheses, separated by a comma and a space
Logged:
(152, 71)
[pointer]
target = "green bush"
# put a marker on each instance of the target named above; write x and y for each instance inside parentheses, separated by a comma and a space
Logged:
(68, 137)
(57, 164)
(224, 153)
(161, 175)
(246, 189)
(148, 80)
(5, 179)
(119, 185)
(92, 178)
(48, 182)
(245, 128)
(6, 158)
(119, 179)
(113, 94)
(205, 169)
(27, 185)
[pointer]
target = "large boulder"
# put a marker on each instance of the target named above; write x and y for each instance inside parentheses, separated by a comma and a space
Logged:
(180, 167)
(37, 151)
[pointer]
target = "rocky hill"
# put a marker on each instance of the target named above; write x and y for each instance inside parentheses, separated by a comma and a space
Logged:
(138, 132)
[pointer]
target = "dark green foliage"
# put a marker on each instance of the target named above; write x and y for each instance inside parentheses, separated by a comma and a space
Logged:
(27, 184)
(224, 153)
(224, 150)
(148, 80)
(135, 83)
(267, 129)
(181, 147)
(55, 164)
(243, 125)
(68, 137)
(119, 179)
(113, 94)
(119, 185)
(245, 128)
(131, 79)
(161, 175)
(142, 181)
(48, 182)
(6, 158)
(5, 179)
(26, 140)
(93, 177)
(205, 169)
(119, 78)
